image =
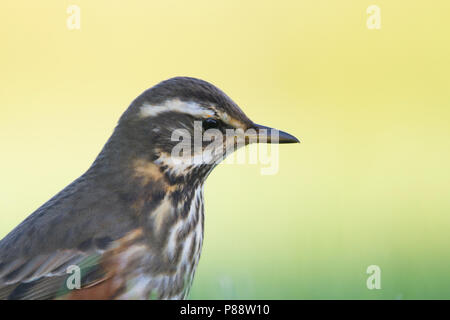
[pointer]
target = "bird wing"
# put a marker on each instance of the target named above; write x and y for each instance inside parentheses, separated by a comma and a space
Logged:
(46, 276)
(72, 228)
(102, 267)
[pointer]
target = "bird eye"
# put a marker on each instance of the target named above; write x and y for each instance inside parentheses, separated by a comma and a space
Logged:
(210, 123)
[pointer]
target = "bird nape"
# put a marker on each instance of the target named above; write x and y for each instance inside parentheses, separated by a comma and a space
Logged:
(131, 227)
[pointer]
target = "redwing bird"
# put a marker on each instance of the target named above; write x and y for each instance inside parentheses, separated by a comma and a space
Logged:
(133, 223)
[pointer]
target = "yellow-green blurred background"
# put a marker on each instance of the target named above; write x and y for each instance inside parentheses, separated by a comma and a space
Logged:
(368, 185)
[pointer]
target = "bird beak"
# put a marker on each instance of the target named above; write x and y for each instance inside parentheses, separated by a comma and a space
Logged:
(271, 135)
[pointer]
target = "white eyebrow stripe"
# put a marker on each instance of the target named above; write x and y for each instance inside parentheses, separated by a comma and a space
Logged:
(192, 108)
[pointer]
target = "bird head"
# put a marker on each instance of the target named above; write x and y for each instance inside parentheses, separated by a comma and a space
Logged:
(186, 125)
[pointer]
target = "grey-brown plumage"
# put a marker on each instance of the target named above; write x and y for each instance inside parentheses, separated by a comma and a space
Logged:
(134, 221)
